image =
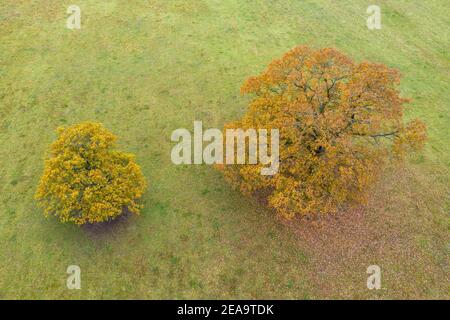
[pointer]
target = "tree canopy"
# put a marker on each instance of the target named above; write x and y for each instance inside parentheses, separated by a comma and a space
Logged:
(339, 121)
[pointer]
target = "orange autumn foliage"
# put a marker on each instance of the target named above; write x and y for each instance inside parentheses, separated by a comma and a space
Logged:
(85, 180)
(339, 121)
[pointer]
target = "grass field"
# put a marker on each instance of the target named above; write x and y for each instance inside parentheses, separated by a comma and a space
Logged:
(146, 68)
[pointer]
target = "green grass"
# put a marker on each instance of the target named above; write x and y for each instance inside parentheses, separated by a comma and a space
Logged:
(145, 68)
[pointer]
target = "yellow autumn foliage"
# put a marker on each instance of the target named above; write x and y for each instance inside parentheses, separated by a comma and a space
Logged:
(338, 122)
(85, 180)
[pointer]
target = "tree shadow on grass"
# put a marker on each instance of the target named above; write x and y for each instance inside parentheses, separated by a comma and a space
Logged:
(103, 230)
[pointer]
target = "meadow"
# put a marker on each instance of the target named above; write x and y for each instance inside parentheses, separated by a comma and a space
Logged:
(146, 68)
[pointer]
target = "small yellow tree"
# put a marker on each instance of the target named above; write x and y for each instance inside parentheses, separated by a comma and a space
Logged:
(85, 180)
(338, 121)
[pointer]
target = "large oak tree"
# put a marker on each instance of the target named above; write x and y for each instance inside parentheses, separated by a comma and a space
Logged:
(338, 120)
